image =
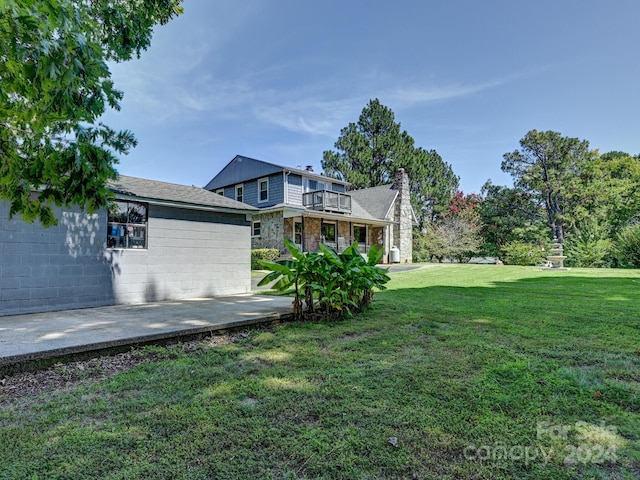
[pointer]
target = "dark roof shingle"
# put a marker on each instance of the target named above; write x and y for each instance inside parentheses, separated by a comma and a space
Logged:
(375, 200)
(171, 192)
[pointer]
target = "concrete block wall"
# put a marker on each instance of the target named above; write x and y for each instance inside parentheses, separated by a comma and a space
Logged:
(56, 268)
(190, 254)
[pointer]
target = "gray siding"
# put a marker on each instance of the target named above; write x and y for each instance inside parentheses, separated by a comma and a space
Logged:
(276, 191)
(294, 189)
(241, 169)
(189, 254)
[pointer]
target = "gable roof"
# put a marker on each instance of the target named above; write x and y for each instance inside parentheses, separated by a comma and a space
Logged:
(242, 169)
(163, 193)
(378, 201)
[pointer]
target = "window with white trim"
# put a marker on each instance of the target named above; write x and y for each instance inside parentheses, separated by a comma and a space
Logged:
(263, 190)
(255, 229)
(127, 225)
(239, 192)
(310, 185)
(220, 191)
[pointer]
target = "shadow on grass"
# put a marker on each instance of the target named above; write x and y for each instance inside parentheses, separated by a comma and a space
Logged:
(442, 369)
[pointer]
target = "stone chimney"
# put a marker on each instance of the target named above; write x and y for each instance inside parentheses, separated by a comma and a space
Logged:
(403, 226)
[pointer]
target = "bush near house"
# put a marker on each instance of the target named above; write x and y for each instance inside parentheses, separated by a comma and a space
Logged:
(258, 254)
(327, 284)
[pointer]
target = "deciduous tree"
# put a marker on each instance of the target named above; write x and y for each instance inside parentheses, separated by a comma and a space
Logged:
(617, 187)
(548, 167)
(509, 215)
(54, 86)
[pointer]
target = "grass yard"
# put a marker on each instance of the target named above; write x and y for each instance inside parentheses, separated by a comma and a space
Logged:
(457, 372)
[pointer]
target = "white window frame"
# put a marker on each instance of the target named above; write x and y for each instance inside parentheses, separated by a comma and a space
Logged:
(253, 229)
(220, 191)
(260, 199)
(296, 223)
(240, 187)
(124, 232)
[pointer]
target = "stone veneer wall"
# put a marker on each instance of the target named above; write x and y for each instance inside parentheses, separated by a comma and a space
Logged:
(344, 230)
(312, 235)
(272, 231)
(376, 236)
(403, 228)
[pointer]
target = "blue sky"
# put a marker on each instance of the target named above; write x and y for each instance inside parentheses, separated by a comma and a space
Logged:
(277, 80)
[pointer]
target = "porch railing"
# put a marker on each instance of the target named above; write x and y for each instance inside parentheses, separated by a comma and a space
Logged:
(327, 201)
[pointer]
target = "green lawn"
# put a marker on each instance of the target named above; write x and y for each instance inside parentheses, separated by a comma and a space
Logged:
(458, 371)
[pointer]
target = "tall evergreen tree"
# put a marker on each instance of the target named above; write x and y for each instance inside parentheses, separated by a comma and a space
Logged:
(369, 152)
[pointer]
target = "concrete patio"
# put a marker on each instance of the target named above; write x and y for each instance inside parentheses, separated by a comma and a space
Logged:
(41, 336)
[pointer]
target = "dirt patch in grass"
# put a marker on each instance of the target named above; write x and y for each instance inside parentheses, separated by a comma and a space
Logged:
(27, 386)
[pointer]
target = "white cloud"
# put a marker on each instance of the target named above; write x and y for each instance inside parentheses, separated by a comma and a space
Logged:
(408, 96)
(316, 116)
(172, 78)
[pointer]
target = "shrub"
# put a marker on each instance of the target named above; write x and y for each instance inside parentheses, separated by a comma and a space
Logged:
(327, 284)
(454, 238)
(521, 253)
(258, 254)
(420, 249)
(628, 246)
(589, 247)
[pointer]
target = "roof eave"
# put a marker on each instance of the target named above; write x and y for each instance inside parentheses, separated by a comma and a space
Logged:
(391, 205)
(188, 206)
(289, 211)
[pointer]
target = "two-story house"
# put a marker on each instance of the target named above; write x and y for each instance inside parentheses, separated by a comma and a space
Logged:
(310, 208)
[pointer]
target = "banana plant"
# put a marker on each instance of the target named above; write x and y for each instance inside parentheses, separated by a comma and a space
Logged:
(287, 273)
(325, 282)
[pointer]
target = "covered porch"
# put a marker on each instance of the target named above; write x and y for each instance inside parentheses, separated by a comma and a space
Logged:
(309, 229)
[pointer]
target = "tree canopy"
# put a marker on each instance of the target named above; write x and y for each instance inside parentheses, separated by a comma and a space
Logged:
(549, 167)
(54, 86)
(369, 152)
